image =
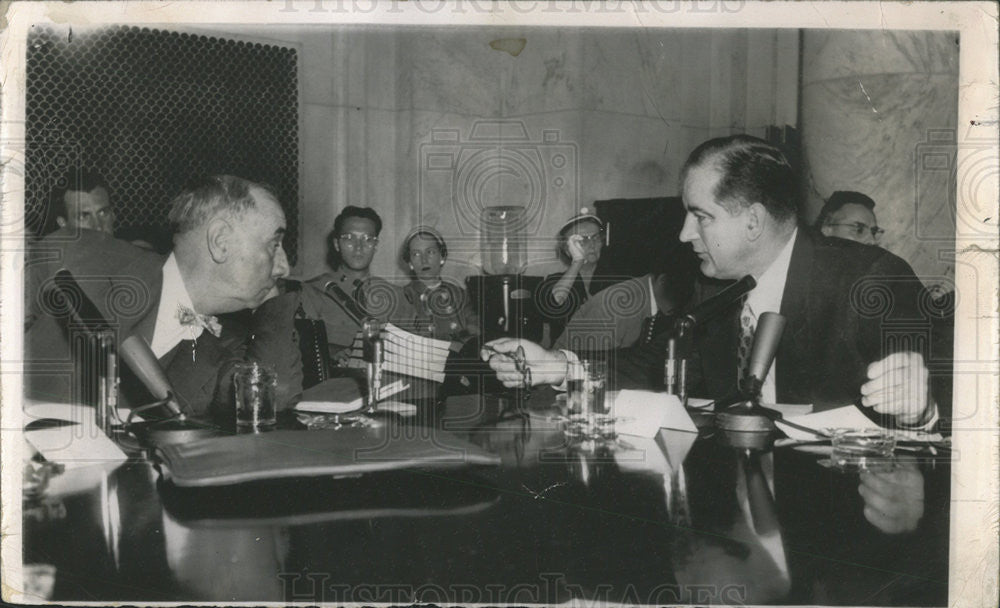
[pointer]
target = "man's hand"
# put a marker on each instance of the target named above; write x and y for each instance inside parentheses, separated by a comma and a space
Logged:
(574, 245)
(898, 386)
(547, 366)
(894, 500)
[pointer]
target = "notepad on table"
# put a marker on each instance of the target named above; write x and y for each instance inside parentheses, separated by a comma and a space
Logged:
(341, 395)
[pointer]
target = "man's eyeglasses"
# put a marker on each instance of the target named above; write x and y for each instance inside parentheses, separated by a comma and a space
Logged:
(364, 240)
(586, 239)
(860, 228)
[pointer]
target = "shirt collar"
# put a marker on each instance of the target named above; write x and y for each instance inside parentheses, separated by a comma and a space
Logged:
(766, 297)
(174, 294)
(173, 285)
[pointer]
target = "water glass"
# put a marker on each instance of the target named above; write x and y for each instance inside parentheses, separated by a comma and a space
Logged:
(861, 450)
(586, 398)
(255, 385)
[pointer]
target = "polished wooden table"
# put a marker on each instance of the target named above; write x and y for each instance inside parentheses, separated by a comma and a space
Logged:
(681, 518)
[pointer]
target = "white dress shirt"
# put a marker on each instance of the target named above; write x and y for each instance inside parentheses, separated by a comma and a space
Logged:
(168, 331)
(766, 297)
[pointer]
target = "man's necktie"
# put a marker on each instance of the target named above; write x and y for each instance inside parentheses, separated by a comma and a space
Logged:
(190, 318)
(748, 325)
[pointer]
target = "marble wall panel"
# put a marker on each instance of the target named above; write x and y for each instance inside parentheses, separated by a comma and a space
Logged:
(831, 54)
(874, 130)
(599, 114)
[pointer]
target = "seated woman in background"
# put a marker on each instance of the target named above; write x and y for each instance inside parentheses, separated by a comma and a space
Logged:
(581, 240)
(440, 308)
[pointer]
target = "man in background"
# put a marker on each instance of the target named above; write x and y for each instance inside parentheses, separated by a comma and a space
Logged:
(344, 296)
(849, 215)
(82, 201)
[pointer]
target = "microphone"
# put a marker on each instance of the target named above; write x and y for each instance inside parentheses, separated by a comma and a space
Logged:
(140, 358)
(679, 343)
(770, 326)
(745, 414)
(718, 303)
(80, 305)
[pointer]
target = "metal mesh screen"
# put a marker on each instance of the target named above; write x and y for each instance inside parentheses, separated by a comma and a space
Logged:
(150, 109)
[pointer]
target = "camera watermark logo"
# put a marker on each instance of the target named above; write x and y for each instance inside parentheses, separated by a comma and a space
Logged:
(494, 163)
(968, 187)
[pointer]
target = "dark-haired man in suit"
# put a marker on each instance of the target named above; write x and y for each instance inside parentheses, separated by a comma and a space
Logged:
(227, 257)
(851, 308)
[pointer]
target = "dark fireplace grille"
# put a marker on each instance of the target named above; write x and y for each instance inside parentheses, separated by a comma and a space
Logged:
(150, 109)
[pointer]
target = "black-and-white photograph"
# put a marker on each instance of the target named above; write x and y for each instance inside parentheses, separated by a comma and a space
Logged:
(334, 302)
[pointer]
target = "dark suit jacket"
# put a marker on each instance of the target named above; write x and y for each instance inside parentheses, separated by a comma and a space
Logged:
(847, 305)
(124, 282)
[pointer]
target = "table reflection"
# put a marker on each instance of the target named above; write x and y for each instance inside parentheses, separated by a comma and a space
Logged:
(676, 518)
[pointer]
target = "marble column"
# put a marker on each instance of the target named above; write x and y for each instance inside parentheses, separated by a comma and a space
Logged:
(878, 115)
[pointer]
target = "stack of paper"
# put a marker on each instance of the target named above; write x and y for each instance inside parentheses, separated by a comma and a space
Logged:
(407, 353)
(847, 417)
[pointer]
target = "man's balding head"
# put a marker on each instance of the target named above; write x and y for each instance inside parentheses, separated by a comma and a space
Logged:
(228, 235)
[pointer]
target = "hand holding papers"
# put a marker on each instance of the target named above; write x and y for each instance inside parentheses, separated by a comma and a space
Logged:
(408, 354)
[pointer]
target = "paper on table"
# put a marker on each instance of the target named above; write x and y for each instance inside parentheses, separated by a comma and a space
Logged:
(644, 413)
(341, 407)
(847, 417)
(71, 412)
(75, 446)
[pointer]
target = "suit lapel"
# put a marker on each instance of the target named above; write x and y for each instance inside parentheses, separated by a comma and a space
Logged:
(794, 306)
(195, 377)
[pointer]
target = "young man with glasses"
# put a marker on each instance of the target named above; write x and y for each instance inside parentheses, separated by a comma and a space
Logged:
(850, 215)
(341, 296)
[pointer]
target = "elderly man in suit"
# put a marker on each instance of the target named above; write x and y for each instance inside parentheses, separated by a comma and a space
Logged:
(226, 258)
(851, 308)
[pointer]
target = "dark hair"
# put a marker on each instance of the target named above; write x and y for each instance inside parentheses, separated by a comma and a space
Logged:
(753, 171)
(840, 198)
(428, 233)
(76, 179)
(206, 195)
(350, 211)
(333, 259)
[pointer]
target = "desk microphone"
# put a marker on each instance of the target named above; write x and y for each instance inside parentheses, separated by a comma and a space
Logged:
(747, 415)
(718, 303)
(766, 338)
(140, 358)
(175, 428)
(679, 344)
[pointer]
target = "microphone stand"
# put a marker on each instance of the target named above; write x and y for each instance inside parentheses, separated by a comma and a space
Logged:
(679, 346)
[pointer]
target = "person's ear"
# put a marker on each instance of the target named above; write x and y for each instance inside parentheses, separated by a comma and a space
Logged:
(60, 221)
(755, 221)
(336, 244)
(826, 229)
(219, 235)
